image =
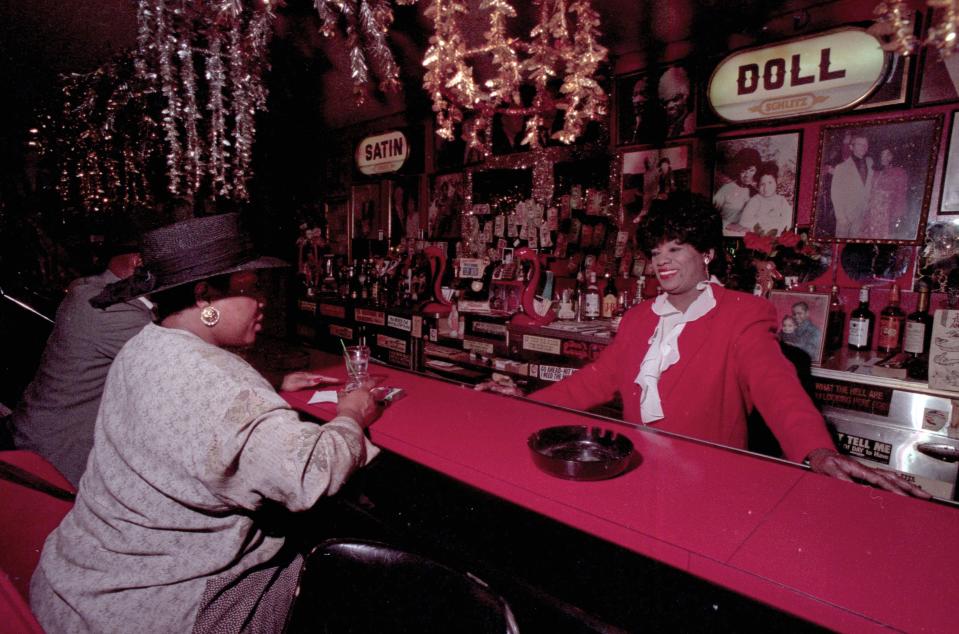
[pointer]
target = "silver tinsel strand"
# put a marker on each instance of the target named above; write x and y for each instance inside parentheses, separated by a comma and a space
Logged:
(185, 49)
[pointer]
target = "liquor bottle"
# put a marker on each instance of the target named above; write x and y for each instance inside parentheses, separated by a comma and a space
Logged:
(609, 299)
(860, 323)
(891, 321)
(354, 281)
(836, 323)
(918, 329)
(361, 277)
(621, 304)
(591, 300)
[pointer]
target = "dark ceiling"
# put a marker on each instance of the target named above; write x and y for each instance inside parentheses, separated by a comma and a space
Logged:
(40, 39)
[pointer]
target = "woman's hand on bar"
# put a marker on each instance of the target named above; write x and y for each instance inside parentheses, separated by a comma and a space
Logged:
(304, 379)
(832, 463)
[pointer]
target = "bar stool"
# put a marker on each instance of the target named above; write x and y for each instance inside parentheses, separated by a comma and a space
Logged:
(35, 497)
(359, 586)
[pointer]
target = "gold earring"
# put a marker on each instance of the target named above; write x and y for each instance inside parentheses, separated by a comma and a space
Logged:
(210, 316)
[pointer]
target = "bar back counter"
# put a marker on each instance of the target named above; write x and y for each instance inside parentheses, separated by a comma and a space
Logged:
(691, 536)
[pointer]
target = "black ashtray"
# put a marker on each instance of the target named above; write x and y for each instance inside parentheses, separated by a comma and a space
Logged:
(578, 452)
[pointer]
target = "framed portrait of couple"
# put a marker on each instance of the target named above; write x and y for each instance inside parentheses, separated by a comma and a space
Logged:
(755, 182)
(874, 179)
(801, 321)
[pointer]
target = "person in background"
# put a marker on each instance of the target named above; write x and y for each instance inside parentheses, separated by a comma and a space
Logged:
(641, 120)
(55, 417)
(852, 183)
(190, 443)
(808, 336)
(787, 330)
(887, 201)
(699, 358)
(768, 209)
(732, 196)
(674, 99)
(666, 180)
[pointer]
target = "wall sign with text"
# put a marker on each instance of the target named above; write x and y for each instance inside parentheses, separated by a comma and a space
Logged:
(382, 153)
(828, 72)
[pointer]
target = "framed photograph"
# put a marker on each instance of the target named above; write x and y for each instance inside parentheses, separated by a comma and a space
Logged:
(445, 206)
(949, 192)
(938, 260)
(369, 219)
(756, 181)
(871, 264)
(654, 105)
(874, 179)
(801, 321)
(405, 215)
(939, 80)
(646, 175)
(893, 90)
(337, 218)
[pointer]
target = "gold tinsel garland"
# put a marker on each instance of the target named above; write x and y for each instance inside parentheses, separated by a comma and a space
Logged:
(554, 53)
(189, 93)
(895, 25)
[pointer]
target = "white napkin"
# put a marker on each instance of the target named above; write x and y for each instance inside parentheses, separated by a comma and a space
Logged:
(323, 396)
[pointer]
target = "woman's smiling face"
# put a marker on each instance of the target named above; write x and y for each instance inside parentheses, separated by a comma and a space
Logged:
(679, 268)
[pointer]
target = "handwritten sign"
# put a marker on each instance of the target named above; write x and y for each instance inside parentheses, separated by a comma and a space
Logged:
(332, 310)
(375, 317)
(554, 372)
(341, 331)
(536, 343)
(481, 347)
(854, 396)
(400, 323)
(391, 343)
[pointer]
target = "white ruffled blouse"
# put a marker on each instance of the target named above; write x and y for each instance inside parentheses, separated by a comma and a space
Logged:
(663, 349)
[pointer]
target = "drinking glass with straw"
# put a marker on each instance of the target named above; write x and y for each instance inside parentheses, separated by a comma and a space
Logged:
(357, 364)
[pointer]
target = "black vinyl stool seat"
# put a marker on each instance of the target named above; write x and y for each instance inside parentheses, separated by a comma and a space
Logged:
(367, 587)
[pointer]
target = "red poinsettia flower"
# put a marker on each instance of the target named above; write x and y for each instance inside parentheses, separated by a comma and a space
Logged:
(789, 239)
(758, 242)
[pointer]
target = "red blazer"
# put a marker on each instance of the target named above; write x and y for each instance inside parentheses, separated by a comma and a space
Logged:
(729, 362)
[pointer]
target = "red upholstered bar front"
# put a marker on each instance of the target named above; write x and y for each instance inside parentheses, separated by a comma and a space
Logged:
(823, 549)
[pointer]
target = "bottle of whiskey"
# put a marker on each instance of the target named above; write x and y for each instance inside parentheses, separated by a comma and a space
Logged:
(836, 323)
(619, 312)
(609, 299)
(891, 321)
(591, 300)
(860, 323)
(918, 329)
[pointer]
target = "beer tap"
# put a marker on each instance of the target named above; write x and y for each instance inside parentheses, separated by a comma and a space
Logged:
(439, 305)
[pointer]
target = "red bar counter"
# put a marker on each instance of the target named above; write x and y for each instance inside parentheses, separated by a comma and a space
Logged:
(843, 555)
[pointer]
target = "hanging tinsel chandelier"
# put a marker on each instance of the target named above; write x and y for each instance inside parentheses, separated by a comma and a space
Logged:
(223, 44)
(562, 51)
(896, 23)
(189, 93)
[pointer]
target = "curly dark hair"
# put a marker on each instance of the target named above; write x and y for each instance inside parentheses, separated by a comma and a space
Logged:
(688, 219)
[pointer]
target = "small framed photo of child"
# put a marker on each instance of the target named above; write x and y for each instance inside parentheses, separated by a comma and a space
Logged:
(801, 321)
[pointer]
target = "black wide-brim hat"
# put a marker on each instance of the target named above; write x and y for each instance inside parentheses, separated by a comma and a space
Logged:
(188, 251)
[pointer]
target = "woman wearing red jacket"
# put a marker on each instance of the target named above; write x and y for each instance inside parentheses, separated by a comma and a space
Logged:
(698, 358)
